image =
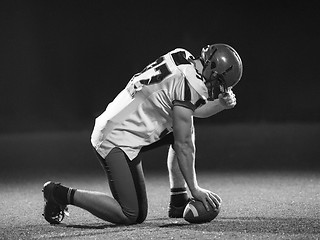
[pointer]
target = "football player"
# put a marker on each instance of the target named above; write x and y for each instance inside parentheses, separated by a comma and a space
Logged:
(155, 108)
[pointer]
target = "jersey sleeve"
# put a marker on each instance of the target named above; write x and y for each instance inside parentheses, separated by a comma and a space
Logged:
(192, 89)
(186, 96)
(194, 80)
(190, 92)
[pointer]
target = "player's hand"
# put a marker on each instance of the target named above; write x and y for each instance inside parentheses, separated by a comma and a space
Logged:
(207, 198)
(228, 100)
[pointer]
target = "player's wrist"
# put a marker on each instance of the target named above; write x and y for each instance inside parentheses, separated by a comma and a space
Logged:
(194, 189)
(222, 103)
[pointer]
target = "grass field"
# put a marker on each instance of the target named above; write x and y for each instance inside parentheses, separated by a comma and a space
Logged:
(268, 176)
(256, 205)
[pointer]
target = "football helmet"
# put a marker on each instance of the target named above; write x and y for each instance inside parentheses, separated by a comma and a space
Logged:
(222, 68)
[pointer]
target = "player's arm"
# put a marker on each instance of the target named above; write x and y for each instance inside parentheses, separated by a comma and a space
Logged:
(224, 101)
(209, 109)
(184, 145)
(185, 150)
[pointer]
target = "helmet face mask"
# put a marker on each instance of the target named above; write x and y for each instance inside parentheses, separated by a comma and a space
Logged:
(215, 85)
(222, 68)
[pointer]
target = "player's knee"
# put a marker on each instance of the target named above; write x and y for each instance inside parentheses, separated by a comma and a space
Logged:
(142, 216)
(131, 221)
(136, 217)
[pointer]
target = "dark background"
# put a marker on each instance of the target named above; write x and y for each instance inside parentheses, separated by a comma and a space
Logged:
(61, 62)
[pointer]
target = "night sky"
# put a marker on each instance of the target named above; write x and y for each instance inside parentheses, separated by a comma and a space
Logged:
(61, 62)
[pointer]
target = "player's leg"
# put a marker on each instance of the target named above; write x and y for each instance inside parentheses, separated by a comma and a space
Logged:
(178, 191)
(126, 181)
(101, 205)
(127, 184)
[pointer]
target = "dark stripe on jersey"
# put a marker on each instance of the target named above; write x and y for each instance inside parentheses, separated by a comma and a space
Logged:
(184, 104)
(187, 92)
(200, 102)
(180, 58)
(164, 132)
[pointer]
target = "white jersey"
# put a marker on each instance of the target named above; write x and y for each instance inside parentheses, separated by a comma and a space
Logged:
(141, 114)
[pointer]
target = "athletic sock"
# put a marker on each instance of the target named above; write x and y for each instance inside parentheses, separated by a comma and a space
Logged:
(179, 196)
(64, 195)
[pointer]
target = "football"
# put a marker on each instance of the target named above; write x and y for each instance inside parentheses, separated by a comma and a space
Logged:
(195, 212)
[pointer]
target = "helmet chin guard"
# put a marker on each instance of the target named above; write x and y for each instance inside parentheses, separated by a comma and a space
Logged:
(216, 85)
(222, 68)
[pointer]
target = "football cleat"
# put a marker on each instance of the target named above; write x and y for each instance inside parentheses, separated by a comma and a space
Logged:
(53, 212)
(177, 212)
